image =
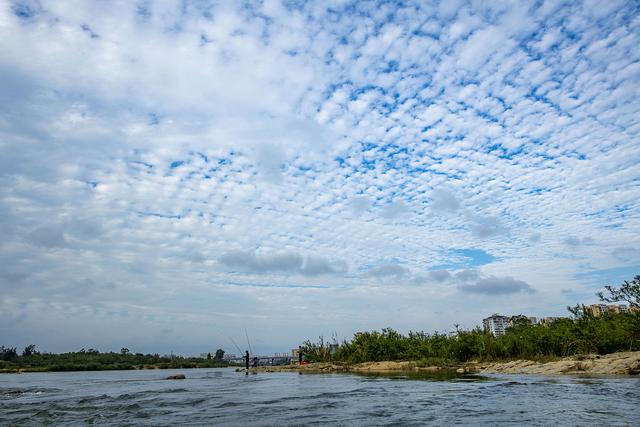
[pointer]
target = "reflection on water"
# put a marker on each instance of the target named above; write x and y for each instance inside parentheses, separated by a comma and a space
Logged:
(222, 396)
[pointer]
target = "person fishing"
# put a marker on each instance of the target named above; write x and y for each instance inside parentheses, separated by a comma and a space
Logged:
(246, 361)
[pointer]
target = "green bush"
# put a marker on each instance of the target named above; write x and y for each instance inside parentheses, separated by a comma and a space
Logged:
(564, 337)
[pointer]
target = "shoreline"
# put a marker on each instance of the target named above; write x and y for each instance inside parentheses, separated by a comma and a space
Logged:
(614, 364)
(45, 369)
(621, 364)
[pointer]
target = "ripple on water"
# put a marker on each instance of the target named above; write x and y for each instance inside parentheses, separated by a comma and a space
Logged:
(228, 398)
(93, 399)
(17, 392)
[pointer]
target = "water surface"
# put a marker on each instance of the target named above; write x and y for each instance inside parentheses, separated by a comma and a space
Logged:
(225, 397)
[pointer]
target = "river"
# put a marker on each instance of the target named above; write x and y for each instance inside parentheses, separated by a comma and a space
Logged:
(225, 397)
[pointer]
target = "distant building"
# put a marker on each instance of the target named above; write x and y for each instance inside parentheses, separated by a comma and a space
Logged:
(598, 310)
(496, 324)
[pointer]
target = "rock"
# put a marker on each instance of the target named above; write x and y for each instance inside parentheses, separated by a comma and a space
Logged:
(622, 363)
(176, 377)
(460, 371)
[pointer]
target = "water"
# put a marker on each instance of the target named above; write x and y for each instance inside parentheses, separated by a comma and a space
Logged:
(225, 397)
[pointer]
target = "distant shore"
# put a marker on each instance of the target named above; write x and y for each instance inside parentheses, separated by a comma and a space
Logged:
(622, 363)
(80, 368)
(111, 367)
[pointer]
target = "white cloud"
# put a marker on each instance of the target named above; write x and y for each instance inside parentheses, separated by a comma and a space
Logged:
(200, 165)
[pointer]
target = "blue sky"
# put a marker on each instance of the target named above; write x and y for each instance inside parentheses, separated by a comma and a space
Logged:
(172, 173)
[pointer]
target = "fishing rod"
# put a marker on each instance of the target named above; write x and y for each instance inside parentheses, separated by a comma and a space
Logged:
(248, 343)
(236, 345)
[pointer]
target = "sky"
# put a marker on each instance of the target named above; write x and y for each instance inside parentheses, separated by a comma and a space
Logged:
(175, 175)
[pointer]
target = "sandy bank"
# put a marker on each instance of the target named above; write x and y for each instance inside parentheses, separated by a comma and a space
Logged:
(624, 363)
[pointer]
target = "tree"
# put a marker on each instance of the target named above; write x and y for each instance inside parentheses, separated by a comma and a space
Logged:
(29, 350)
(628, 291)
(8, 353)
(219, 354)
(208, 356)
(579, 311)
(520, 320)
(124, 351)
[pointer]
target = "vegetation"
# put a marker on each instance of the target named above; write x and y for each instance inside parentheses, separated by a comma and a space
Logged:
(628, 292)
(93, 360)
(219, 354)
(580, 334)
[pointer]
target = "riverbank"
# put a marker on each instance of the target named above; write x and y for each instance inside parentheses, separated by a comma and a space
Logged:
(93, 368)
(623, 363)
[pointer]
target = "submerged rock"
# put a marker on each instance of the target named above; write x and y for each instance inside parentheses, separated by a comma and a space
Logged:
(176, 377)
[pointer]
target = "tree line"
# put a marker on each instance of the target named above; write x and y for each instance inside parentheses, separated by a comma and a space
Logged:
(93, 360)
(580, 334)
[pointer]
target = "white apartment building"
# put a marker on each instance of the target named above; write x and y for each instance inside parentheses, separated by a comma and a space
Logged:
(496, 324)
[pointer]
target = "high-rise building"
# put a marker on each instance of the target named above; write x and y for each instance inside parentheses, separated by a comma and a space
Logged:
(496, 324)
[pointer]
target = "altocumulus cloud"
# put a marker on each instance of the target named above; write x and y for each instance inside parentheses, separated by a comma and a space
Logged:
(388, 271)
(281, 262)
(493, 285)
(349, 147)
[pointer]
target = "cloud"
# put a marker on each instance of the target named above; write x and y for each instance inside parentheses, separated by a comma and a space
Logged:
(626, 254)
(439, 276)
(479, 47)
(388, 271)
(484, 227)
(316, 266)
(497, 286)
(284, 142)
(577, 241)
(474, 281)
(360, 204)
(47, 236)
(287, 262)
(444, 201)
(13, 278)
(467, 275)
(281, 262)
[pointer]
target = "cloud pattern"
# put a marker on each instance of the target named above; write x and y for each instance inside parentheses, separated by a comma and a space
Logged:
(176, 165)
